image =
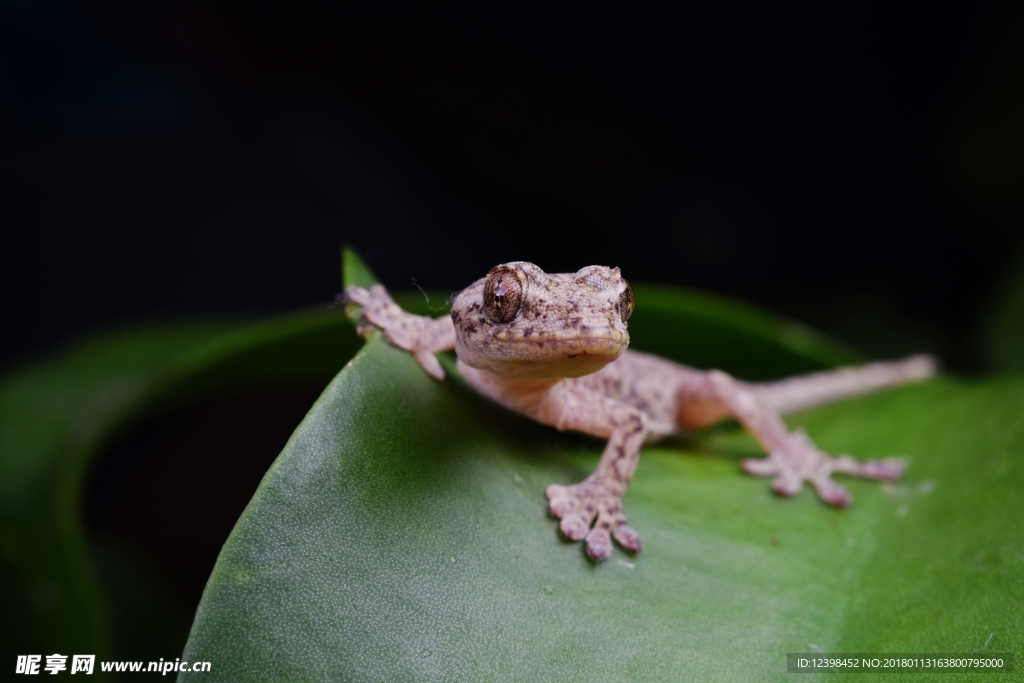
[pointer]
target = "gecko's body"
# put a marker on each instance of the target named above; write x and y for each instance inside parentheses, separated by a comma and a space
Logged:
(553, 347)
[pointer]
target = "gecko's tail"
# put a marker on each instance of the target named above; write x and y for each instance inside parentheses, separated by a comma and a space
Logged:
(807, 391)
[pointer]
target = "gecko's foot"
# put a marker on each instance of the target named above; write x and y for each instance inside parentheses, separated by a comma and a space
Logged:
(378, 311)
(802, 461)
(589, 510)
(417, 334)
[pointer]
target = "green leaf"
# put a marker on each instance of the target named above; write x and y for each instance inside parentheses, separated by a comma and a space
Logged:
(57, 415)
(710, 331)
(354, 270)
(402, 535)
(1002, 329)
(53, 417)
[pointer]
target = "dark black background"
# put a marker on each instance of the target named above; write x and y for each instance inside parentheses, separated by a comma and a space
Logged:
(194, 158)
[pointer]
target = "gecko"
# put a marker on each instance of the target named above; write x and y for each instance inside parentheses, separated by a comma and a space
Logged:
(553, 347)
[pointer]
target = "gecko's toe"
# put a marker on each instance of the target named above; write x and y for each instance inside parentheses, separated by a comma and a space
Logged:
(889, 469)
(561, 507)
(884, 470)
(788, 484)
(627, 538)
(428, 361)
(556, 492)
(599, 544)
(574, 526)
(357, 295)
(760, 467)
(832, 493)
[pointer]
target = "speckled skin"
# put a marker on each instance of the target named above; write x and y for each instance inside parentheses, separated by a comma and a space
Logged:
(561, 359)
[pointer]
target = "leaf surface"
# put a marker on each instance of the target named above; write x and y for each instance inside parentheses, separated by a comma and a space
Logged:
(402, 535)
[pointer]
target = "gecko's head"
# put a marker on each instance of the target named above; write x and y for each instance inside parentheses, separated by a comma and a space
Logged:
(522, 321)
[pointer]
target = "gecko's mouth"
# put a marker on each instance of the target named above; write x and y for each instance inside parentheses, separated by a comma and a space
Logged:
(578, 346)
(572, 357)
(583, 334)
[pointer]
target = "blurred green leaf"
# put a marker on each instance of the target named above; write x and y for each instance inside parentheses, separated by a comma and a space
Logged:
(53, 416)
(1002, 338)
(402, 535)
(709, 331)
(57, 415)
(354, 270)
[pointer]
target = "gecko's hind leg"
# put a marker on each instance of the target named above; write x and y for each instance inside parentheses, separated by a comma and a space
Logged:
(792, 457)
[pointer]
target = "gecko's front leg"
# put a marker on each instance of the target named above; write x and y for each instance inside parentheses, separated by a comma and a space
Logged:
(421, 335)
(592, 509)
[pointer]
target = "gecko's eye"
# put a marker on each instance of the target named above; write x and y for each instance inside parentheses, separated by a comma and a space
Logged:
(503, 295)
(626, 302)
